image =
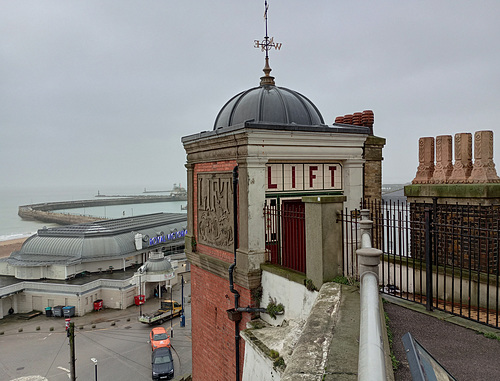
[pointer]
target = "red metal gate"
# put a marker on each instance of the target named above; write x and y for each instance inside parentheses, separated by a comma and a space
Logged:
(285, 234)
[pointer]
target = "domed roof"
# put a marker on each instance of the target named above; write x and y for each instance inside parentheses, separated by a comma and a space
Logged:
(268, 104)
(157, 263)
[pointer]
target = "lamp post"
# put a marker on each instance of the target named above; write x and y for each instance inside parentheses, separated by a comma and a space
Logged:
(94, 360)
(171, 311)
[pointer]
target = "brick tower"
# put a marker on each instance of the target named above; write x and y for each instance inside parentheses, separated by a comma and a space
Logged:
(269, 146)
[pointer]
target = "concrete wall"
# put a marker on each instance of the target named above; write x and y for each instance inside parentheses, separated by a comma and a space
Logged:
(257, 366)
(6, 269)
(28, 296)
(297, 300)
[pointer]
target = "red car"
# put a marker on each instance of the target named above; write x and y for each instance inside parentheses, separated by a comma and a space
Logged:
(159, 338)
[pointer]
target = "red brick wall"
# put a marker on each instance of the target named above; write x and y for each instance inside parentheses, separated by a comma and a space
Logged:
(214, 355)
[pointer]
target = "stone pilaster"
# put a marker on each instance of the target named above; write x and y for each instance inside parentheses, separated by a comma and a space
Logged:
(444, 157)
(463, 159)
(353, 183)
(483, 170)
(252, 247)
(425, 168)
(324, 238)
(373, 168)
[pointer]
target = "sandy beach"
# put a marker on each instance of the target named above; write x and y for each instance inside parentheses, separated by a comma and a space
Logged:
(7, 247)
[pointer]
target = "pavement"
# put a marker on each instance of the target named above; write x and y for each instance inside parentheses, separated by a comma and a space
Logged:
(38, 346)
(458, 344)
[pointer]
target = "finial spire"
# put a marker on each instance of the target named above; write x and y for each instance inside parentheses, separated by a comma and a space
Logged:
(265, 45)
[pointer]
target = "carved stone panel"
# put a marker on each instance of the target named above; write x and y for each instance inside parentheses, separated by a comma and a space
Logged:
(215, 210)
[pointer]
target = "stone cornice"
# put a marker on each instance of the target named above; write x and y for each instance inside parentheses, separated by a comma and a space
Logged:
(454, 190)
(220, 268)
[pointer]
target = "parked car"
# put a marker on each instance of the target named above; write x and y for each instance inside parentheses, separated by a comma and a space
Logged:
(159, 338)
(162, 364)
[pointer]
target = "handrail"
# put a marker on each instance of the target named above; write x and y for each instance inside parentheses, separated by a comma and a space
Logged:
(371, 364)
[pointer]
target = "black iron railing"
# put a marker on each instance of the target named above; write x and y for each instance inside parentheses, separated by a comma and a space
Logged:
(441, 255)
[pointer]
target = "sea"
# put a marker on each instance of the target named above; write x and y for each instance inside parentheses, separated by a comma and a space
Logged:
(13, 227)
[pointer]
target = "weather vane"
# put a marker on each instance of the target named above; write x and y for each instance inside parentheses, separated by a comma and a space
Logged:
(266, 44)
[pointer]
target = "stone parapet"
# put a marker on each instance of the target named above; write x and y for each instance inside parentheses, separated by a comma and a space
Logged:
(486, 194)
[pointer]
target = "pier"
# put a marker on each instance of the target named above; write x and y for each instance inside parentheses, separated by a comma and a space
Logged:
(44, 211)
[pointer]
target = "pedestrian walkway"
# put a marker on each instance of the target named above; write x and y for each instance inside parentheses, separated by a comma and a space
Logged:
(468, 350)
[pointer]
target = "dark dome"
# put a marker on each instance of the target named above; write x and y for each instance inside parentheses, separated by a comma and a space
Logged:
(269, 104)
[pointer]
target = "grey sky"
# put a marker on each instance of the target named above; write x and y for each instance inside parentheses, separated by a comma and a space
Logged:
(100, 92)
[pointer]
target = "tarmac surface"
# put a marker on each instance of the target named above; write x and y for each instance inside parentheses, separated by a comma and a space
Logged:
(38, 346)
(458, 344)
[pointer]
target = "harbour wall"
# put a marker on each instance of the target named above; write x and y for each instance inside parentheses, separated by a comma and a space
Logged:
(44, 211)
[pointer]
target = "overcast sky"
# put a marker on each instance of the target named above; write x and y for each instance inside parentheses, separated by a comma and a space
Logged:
(100, 92)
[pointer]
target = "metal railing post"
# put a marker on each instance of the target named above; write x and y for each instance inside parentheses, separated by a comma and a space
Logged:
(428, 261)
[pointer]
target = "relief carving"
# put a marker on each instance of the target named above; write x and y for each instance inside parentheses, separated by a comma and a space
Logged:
(215, 210)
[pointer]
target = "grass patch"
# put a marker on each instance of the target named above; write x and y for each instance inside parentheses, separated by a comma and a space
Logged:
(490, 335)
(347, 280)
(310, 285)
(279, 363)
(390, 337)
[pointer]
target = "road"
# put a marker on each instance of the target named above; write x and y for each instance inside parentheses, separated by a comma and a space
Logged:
(114, 337)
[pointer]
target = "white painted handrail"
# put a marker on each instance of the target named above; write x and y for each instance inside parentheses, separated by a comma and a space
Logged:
(371, 364)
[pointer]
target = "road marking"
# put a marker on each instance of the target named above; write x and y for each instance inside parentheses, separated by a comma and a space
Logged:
(60, 367)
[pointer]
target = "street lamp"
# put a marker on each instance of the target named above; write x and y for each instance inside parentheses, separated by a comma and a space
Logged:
(94, 360)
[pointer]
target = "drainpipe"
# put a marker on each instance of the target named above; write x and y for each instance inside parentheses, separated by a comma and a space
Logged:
(231, 269)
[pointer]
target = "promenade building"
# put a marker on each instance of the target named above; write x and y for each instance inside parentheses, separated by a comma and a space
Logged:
(76, 265)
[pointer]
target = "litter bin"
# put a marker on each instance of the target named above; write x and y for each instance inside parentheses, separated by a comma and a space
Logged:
(48, 311)
(69, 311)
(139, 299)
(98, 305)
(57, 311)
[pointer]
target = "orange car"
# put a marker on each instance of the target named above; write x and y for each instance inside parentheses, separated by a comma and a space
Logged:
(159, 338)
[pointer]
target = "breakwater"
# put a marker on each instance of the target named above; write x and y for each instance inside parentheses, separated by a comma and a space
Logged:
(45, 211)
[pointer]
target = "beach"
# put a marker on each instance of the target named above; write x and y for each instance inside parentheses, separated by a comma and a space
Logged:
(7, 247)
